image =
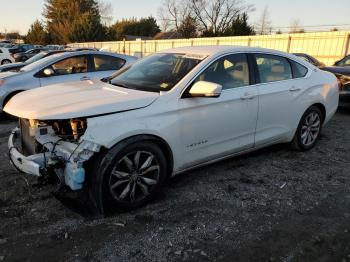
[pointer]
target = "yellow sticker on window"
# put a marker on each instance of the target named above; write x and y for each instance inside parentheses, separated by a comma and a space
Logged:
(164, 85)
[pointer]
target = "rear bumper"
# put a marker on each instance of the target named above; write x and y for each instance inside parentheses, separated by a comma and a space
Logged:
(30, 165)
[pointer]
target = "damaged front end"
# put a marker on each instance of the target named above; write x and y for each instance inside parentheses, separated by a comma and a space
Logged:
(55, 147)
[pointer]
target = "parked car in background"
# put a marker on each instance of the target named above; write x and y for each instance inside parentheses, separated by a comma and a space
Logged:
(60, 68)
(20, 49)
(170, 112)
(6, 45)
(343, 62)
(54, 47)
(5, 56)
(310, 59)
(341, 71)
(17, 66)
(81, 49)
(24, 56)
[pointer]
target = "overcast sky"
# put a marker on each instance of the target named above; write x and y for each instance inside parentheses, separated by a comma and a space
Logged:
(17, 15)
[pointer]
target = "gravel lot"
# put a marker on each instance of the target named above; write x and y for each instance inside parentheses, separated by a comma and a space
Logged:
(271, 205)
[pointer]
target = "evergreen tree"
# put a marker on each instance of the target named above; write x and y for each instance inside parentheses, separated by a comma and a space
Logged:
(73, 20)
(37, 34)
(240, 27)
(143, 27)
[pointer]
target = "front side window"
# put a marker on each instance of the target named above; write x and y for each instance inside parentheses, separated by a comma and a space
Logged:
(72, 65)
(230, 72)
(273, 68)
(158, 72)
(106, 63)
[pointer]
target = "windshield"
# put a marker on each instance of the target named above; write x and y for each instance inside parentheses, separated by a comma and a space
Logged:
(36, 58)
(158, 72)
(39, 63)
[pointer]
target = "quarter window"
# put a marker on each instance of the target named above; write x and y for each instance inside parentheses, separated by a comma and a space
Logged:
(273, 68)
(231, 72)
(299, 70)
(72, 65)
(106, 63)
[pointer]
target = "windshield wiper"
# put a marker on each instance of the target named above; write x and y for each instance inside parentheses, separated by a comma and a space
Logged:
(121, 85)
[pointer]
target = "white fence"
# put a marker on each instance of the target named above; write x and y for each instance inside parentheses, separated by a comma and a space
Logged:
(328, 47)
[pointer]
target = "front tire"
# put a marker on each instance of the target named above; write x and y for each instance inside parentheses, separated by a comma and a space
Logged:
(309, 130)
(130, 176)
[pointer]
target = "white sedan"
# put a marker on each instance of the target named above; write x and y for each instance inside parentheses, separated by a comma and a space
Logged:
(168, 113)
(61, 68)
(5, 57)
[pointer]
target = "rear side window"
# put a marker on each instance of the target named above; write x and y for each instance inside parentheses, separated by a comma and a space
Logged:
(273, 68)
(299, 70)
(107, 63)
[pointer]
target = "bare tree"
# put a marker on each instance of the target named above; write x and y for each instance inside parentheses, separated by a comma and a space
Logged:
(172, 13)
(296, 27)
(106, 12)
(263, 26)
(216, 16)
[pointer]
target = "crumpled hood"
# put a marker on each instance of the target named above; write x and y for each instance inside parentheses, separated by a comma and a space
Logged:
(77, 99)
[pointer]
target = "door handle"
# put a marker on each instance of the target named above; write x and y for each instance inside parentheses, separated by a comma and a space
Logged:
(84, 78)
(248, 96)
(294, 89)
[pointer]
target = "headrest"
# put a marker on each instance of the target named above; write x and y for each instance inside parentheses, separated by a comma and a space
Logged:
(278, 68)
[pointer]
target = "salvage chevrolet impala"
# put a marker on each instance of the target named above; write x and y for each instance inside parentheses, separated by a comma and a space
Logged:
(173, 111)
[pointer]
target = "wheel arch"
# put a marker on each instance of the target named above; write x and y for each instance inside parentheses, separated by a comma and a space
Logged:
(164, 146)
(322, 108)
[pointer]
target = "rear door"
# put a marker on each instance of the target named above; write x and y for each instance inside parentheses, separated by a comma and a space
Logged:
(69, 69)
(278, 98)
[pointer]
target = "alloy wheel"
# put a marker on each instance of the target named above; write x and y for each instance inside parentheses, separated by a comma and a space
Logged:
(134, 176)
(310, 129)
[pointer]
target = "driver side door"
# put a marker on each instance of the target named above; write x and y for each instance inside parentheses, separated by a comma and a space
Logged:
(212, 128)
(70, 69)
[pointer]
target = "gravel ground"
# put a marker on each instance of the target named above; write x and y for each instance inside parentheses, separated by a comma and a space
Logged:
(271, 205)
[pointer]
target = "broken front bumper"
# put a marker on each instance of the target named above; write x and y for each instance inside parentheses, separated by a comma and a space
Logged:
(30, 165)
(71, 157)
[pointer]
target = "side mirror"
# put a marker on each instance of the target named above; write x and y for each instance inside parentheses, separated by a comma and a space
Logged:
(205, 89)
(48, 72)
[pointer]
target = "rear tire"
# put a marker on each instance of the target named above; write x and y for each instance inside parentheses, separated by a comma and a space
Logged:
(127, 177)
(309, 130)
(5, 61)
